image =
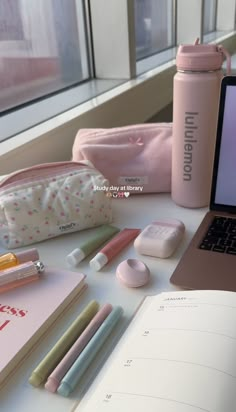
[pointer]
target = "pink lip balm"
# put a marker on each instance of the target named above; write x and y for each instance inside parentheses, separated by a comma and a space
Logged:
(112, 248)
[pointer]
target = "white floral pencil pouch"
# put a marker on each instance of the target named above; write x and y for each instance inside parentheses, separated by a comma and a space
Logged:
(51, 199)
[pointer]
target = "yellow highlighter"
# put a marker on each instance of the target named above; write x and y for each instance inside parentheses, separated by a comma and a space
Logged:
(53, 357)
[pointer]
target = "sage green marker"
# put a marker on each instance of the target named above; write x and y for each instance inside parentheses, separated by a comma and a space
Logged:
(53, 357)
(96, 239)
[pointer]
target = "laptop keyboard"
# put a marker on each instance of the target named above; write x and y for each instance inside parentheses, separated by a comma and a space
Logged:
(221, 236)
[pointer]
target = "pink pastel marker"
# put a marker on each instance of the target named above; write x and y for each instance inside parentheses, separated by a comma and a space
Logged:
(62, 368)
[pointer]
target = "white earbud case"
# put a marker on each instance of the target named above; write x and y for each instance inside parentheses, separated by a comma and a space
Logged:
(160, 238)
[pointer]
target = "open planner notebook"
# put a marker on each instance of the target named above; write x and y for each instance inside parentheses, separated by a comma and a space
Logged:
(177, 355)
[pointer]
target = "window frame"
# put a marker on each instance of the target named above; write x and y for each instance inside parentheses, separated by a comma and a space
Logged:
(215, 19)
(52, 140)
(29, 49)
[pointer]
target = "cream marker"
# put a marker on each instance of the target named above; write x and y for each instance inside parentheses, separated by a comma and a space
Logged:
(112, 248)
(97, 238)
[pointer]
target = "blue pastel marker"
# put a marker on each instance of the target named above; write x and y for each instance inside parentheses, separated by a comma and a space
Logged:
(83, 361)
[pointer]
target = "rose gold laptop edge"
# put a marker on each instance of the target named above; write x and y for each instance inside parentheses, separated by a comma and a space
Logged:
(208, 269)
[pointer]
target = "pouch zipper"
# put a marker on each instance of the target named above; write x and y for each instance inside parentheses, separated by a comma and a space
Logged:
(126, 130)
(38, 172)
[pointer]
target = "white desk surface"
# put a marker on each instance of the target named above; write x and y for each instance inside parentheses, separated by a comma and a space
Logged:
(137, 211)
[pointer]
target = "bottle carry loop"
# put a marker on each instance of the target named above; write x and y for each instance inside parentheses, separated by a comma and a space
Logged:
(228, 59)
(225, 53)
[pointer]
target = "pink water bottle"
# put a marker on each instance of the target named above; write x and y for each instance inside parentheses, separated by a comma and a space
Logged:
(195, 111)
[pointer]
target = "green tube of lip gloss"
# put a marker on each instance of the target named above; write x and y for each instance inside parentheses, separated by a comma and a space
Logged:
(97, 238)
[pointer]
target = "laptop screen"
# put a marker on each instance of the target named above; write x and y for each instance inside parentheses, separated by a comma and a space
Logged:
(224, 174)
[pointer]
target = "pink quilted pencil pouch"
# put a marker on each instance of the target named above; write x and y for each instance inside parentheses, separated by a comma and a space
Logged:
(136, 158)
(51, 199)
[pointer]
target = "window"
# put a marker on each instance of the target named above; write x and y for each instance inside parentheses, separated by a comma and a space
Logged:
(209, 16)
(42, 49)
(46, 62)
(154, 26)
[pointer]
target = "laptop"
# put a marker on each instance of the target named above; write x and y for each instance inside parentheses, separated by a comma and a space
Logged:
(209, 261)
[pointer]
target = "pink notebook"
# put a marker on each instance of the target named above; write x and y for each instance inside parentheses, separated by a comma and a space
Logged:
(28, 311)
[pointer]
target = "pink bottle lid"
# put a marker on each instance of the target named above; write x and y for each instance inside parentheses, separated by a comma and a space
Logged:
(29, 255)
(199, 57)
